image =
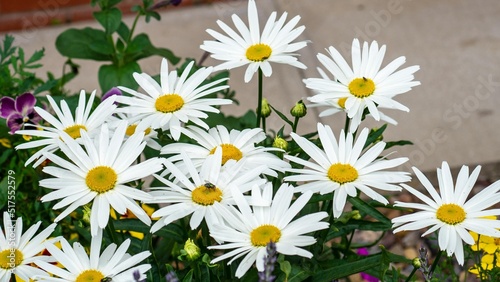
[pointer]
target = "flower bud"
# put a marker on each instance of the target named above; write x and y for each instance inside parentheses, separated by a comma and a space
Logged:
(299, 110)
(192, 251)
(86, 213)
(265, 110)
(280, 143)
(416, 263)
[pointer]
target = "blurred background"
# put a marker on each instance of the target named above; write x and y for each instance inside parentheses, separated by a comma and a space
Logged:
(453, 114)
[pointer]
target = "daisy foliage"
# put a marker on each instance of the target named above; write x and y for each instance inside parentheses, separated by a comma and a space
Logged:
(150, 179)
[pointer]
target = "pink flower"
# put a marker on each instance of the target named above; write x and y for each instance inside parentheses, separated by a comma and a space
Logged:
(19, 112)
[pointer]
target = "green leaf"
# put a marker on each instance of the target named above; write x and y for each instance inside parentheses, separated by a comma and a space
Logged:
(123, 31)
(7, 49)
(369, 210)
(75, 43)
(102, 47)
(141, 47)
(109, 19)
(4, 189)
(112, 75)
(397, 143)
(344, 268)
(373, 135)
(37, 56)
(282, 116)
(189, 276)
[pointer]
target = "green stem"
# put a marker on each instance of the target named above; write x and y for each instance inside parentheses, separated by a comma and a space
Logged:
(295, 124)
(111, 231)
(435, 263)
(264, 124)
(347, 123)
(348, 245)
(133, 28)
(259, 102)
(411, 274)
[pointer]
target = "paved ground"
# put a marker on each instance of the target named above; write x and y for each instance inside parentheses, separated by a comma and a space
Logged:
(453, 114)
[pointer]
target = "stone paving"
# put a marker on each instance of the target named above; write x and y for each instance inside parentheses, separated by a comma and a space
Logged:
(453, 114)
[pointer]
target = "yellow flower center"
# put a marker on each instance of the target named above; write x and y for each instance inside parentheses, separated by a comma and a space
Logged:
(74, 130)
(169, 103)
(229, 152)
(259, 52)
(264, 234)
(90, 275)
(131, 130)
(341, 102)
(101, 179)
(10, 259)
(451, 214)
(206, 195)
(362, 87)
(342, 173)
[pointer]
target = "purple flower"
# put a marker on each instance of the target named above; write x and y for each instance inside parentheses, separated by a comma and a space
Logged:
(111, 92)
(364, 276)
(19, 112)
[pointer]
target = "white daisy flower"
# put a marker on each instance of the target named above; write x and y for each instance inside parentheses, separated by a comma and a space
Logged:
(249, 230)
(365, 85)
(253, 48)
(343, 168)
(114, 262)
(18, 251)
(196, 192)
(66, 122)
(175, 100)
(150, 135)
(236, 145)
(99, 173)
(337, 105)
(450, 211)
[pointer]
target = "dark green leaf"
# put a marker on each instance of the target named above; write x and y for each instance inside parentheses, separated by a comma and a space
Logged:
(102, 47)
(7, 49)
(37, 56)
(282, 116)
(123, 31)
(141, 47)
(4, 189)
(109, 19)
(75, 43)
(397, 143)
(111, 76)
(369, 210)
(189, 276)
(373, 135)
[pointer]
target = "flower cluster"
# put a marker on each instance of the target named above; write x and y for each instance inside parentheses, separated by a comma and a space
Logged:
(228, 187)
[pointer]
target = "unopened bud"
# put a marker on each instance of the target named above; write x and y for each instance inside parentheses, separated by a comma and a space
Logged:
(86, 213)
(192, 251)
(299, 110)
(416, 263)
(265, 110)
(280, 143)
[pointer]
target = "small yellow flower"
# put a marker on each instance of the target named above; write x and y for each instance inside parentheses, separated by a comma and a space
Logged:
(485, 243)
